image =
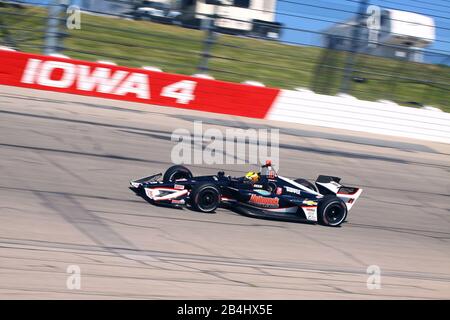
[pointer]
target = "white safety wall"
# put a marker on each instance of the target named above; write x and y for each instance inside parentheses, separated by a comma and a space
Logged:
(352, 114)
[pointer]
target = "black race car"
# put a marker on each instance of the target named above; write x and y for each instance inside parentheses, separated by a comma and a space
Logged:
(264, 194)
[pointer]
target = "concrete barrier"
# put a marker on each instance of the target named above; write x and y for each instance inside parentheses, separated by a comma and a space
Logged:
(352, 114)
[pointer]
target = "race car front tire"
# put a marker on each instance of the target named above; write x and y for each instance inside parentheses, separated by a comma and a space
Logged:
(177, 172)
(205, 197)
(332, 211)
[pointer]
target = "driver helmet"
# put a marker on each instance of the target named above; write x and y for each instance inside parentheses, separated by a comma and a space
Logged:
(252, 176)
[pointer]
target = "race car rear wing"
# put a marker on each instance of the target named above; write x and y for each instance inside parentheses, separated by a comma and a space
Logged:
(331, 185)
(349, 195)
(328, 184)
(327, 179)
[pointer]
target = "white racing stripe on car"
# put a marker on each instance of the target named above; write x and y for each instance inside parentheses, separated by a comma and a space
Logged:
(227, 199)
(333, 187)
(298, 185)
(135, 184)
(152, 194)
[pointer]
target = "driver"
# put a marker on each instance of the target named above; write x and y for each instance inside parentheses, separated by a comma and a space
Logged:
(252, 177)
(266, 171)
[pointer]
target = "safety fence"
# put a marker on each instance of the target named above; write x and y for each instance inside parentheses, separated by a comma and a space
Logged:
(306, 58)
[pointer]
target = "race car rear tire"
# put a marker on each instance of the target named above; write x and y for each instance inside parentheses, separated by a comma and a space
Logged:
(306, 183)
(177, 172)
(332, 211)
(205, 197)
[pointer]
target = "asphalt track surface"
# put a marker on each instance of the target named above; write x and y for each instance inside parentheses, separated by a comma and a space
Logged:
(65, 165)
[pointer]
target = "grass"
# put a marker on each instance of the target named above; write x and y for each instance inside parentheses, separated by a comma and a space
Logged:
(178, 50)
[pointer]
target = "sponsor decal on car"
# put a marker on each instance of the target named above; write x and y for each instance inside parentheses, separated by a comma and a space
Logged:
(263, 201)
(310, 202)
(178, 187)
(292, 190)
(311, 213)
(279, 191)
(257, 186)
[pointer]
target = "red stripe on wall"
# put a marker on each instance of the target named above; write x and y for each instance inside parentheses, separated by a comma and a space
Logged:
(133, 84)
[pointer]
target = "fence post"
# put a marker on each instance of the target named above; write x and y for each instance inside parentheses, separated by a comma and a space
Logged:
(52, 32)
(356, 34)
(6, 35)
(208, 25)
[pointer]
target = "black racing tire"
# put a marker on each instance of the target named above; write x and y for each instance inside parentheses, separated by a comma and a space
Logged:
(306, 183)
(177, 172)
(332, 211)
(205, 197)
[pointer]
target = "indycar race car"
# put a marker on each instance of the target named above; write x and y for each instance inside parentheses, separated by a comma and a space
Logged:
(264, 194)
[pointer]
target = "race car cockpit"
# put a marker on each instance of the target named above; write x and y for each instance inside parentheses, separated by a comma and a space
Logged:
(267, 172)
